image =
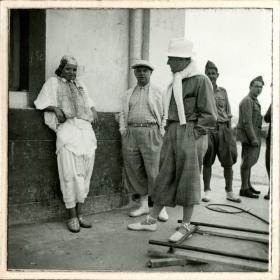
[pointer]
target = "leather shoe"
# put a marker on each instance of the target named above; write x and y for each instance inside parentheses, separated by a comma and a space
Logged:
(267, 196)
(248, 193)
(254, 190)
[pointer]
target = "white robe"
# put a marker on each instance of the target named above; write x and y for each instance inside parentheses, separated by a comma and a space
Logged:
(75, 146)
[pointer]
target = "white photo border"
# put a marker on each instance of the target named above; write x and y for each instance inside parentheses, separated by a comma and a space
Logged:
(274, 209)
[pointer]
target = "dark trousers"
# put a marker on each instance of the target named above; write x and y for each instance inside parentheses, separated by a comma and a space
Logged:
(250, 155)
(221, 143)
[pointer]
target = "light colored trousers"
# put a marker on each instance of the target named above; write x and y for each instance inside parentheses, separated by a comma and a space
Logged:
(76, 144)
(141, 153)
(74, 174)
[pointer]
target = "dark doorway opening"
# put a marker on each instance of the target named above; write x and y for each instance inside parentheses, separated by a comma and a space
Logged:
(27, 48)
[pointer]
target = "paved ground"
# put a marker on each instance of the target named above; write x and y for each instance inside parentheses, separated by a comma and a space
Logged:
(110, 246)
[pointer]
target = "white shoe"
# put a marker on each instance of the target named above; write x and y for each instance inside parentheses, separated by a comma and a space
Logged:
(232, 197)
(181, 233)
(206, 197)
(163, 216)
(142, 210)
(150, 224)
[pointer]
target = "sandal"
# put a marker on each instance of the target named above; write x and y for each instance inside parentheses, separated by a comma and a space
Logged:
(73, 225)
(83, 222)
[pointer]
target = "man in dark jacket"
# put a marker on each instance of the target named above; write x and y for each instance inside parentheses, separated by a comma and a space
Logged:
(249, 134)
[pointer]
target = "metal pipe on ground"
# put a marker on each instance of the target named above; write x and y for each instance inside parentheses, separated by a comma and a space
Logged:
(228, 227)
(209, 251)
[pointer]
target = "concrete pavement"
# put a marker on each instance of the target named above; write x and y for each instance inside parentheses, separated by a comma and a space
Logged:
(109, 246)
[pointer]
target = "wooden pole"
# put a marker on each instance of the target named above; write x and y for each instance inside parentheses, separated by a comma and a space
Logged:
(166, 262)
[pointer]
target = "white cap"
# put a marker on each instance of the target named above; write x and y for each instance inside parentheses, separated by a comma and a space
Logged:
(144, 63)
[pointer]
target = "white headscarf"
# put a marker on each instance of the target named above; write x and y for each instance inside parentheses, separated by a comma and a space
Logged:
(176, 85)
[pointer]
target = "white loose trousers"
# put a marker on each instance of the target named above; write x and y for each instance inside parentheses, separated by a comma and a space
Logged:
(74, 174)
(76, 144)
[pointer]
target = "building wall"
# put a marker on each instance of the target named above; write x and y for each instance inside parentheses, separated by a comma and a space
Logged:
(98, 38)
(34, 190)
(165, 24)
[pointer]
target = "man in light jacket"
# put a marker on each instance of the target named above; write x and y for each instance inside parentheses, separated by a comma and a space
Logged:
(141, 126)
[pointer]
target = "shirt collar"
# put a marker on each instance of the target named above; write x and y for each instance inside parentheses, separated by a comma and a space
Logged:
(144, 87)
(216, 89)
(253, 97)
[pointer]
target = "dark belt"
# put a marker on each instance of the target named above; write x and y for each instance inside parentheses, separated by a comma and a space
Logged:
(141, 124)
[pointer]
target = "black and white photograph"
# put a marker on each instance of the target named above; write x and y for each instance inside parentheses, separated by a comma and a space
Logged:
(139, 141)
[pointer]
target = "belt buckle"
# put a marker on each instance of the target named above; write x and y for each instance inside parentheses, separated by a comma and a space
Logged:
(141, 124)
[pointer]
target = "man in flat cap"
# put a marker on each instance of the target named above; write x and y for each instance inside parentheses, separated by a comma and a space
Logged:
(141, 126)
(190, 110)
(249, 134)
(221, 141)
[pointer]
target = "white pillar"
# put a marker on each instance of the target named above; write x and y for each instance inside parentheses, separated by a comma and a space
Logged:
(135, 40)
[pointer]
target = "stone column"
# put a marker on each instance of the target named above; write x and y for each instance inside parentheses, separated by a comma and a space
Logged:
(135, 40)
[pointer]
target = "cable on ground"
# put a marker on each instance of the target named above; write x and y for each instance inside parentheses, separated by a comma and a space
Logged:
(217, 207)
